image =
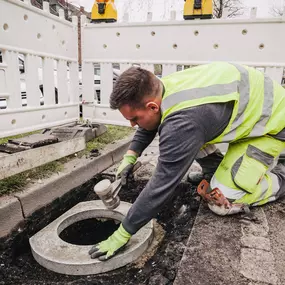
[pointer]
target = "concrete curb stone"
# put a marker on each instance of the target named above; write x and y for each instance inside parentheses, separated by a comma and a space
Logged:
(76, 172)
(10, 214)
(119, 151)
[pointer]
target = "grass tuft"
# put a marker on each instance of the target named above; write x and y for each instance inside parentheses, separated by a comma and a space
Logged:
(5, 140)
(113, 133)
(18, 181)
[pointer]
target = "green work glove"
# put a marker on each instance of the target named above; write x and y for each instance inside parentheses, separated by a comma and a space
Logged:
(125, 168)
(109, 247)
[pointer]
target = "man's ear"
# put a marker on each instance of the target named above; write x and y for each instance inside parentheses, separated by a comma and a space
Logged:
(152, 106)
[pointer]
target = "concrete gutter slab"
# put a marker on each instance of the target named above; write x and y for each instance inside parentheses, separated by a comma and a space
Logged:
(57, 255)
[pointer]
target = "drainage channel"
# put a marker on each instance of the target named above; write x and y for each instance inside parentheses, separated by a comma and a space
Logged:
(18, 266)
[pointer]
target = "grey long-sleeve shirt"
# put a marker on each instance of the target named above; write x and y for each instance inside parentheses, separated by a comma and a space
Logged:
(181, 135)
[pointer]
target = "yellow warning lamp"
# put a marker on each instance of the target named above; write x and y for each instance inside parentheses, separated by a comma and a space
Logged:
(104, 11)
(198, 9)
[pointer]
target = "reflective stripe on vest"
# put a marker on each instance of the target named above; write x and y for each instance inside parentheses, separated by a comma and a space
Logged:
(243, 101)
(231, 133)
(259, 128)
(197, 93)
(244, 89)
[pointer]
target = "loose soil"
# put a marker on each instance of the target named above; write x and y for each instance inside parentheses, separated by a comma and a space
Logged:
(17, 265)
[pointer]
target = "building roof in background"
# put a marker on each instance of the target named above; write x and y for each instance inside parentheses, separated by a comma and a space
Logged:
(62, 4)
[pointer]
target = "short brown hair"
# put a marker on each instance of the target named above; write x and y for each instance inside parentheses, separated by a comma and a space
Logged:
(132, 86)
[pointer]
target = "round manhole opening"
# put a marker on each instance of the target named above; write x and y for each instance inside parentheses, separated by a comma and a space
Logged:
(89, 231)
(63, 245)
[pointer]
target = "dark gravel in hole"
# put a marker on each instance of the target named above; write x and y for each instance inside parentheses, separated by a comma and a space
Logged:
(17, 265)
(88, 232)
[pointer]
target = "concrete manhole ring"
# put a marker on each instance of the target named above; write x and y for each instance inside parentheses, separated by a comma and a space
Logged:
(53, 253)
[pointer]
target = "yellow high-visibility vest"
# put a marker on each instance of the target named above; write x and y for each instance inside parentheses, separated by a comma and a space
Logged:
(259, 107)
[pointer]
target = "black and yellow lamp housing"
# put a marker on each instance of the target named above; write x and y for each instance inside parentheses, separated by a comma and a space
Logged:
(104, 11)
(198, 9)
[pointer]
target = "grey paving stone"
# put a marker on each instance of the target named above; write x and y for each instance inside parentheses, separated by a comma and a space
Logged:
(259, 227)
(275, 214)
(212, 254)
(258, 265)
(256, 242)
(232, 250)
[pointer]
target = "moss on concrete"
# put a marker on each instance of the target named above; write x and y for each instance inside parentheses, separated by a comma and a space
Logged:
(5, 140)
(17, 182)
(113, 133)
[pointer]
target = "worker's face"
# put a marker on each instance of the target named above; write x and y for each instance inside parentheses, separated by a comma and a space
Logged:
(147, 117)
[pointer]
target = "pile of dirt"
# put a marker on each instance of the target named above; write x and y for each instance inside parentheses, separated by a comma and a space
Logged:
(17, 265)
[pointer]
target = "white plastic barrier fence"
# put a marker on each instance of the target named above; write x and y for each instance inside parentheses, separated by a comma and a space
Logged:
(254, 42)
(39, 80)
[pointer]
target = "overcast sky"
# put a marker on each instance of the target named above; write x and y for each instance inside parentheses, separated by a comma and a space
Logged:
(160, 8)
